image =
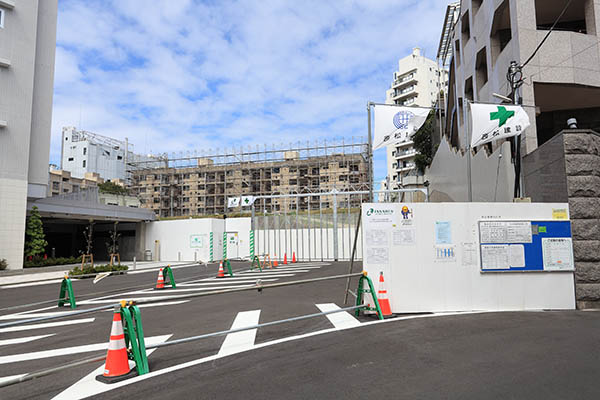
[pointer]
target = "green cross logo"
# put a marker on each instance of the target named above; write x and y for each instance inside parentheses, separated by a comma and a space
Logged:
(502, 115)
(246, 200)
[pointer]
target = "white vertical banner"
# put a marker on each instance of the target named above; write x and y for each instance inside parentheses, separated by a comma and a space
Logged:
(394, 124)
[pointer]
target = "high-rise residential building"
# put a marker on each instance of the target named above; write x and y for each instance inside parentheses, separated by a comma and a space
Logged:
(418, 83)
(27, 50)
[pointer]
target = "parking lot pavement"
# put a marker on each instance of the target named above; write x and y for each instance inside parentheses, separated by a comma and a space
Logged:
(323, 357)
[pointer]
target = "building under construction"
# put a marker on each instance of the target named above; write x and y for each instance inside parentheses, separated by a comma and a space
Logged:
(200, 184)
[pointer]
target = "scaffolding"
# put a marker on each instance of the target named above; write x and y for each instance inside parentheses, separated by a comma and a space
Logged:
(201, 182)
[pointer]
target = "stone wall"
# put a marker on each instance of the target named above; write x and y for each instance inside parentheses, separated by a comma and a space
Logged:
(567, 168)
(582, 164)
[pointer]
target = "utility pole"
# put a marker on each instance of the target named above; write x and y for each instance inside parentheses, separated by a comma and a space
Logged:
(513, 71)
(370, 152)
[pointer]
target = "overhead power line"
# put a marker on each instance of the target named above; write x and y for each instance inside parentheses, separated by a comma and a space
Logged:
(548, 34)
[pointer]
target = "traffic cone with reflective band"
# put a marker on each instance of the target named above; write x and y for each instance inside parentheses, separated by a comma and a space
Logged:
(275, 263)
(221, 273)
(294, 257)
(284, 258)
(117, 364)
(160, 281)
(382, 297)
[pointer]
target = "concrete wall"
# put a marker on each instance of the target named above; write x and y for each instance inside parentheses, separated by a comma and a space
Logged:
(492, 176)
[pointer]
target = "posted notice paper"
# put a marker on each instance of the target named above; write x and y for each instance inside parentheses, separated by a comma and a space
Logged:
(377, 237)
(403, 237)
(378, 255)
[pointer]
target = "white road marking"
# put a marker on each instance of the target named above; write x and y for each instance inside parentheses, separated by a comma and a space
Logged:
(166, 303)
(340, 320)
(220, 283)
(88, 386)
(175, 291)
(256, 275)
(20, 285)
(278, 271)
(34, 315)
(66, 351)
(24, 339)
(241, 341)
(47, 325)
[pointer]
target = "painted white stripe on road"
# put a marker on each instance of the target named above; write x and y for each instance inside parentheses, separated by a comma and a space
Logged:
(26, 316)
(340, 320)
(47, 325)
(220, 283)
(256, 275)
(278, 271)
(65, 351)
(241, 341)
(175, 291)
(24, 339)
(88, 386)
(21, 285)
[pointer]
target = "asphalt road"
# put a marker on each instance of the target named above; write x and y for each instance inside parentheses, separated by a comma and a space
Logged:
(481, 356)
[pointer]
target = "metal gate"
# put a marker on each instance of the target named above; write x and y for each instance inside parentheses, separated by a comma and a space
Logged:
(316, 226)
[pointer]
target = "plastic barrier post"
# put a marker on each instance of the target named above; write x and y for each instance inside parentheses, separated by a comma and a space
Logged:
(168, 272)
(66, 289)
(255, 261)
(229, 271)
(371, 290)
(134, 336)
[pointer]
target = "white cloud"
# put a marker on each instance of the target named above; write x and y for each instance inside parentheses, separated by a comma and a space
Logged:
(183, 75)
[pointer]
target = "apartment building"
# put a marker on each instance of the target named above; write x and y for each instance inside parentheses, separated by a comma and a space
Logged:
(27, 50)
(61, 182)
(204, 189)
(418, 82)
(561, 81)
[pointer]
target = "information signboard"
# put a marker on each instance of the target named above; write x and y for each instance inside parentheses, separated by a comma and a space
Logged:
(509, 246)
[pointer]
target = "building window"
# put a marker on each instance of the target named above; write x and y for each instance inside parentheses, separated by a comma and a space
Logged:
(475, 5)
(83, 163)
(70, 159)
(501, 30)
(573, 20)
(481, 68)
(55, 186)
(84, 151)
(1, 18)
(466, 27)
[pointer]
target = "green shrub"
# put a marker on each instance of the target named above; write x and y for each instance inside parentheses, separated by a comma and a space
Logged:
(3, 264)
(97, 269)
(40, 262)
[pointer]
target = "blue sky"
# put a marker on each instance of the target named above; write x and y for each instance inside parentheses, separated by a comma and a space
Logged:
(183, 75)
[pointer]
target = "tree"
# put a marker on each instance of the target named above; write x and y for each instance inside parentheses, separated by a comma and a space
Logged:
(35, 242)
(423, 143)
(112, 188)
(113, 245)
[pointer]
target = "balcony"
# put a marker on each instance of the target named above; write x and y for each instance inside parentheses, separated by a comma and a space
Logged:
(405, 154)
(405, 80)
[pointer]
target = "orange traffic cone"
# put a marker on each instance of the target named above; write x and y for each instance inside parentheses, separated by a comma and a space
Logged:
(294, 257)
(384, 302)
(284, 258)
(117, 364)
(160, 281)
(221, 273)
(275, 263)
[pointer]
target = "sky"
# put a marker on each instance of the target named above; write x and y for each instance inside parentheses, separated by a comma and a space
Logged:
(185, 75)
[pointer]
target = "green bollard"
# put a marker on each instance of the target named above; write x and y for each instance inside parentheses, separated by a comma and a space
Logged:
(228, 267)
(134, 336)
(371, 290)
(168, 273)
(255, 260)
(66, 289)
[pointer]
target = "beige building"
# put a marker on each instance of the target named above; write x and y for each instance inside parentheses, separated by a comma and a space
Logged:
(27, 48)
(418, 82)
(205, 188)
(61, 182)
(561, 81)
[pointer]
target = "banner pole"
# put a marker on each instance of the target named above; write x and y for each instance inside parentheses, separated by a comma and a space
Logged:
(370, 143)
(469, 177)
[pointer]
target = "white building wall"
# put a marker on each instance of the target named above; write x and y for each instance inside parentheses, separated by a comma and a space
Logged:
(27, 46)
